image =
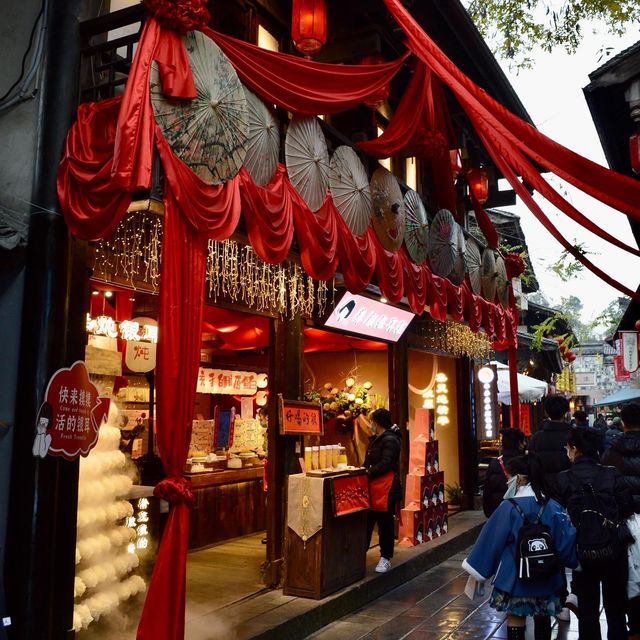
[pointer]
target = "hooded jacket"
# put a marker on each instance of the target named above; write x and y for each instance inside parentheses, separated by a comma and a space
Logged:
(494, 553)
(624, 455)
(383, 455)
(549, 444)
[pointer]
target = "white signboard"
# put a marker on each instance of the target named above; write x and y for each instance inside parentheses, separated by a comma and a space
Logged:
(629, 347)
(357, 314)
(236, 383)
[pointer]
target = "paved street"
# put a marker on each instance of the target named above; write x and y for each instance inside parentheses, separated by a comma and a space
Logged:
(431, 607)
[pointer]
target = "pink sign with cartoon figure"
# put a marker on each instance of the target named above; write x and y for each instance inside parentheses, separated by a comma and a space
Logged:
(69, 419)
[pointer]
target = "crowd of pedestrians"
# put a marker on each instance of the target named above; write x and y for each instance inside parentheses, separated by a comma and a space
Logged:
(567, 500)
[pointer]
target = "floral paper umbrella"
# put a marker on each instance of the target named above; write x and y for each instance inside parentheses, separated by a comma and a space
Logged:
(459, 263)
(350, 189)
(502, 282)
(388, 209)
(442, 243)
(208, 133)
(474, 262)
(263, 140)
(416, 227)
(307, 160)
(488, 274)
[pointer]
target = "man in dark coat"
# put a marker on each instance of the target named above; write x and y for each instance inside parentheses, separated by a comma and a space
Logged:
(495, 482)
(549, 443)
(624, 455)
(382, 457)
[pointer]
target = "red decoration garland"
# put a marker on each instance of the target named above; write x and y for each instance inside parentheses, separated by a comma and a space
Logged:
(183, 16)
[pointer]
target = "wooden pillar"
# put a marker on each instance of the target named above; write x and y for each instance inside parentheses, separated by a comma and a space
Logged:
(467, 431)
(285, 377)
(398, 368)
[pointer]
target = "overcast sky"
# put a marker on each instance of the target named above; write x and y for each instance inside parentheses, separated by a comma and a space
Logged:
(552, 94)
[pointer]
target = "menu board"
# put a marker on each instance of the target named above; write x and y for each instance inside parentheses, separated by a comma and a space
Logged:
(247, 435)
(202, 436)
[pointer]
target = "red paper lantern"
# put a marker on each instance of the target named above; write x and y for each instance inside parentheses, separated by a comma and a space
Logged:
(478, 180)
(637, 325)
(375, 100)
(634, 152)
(309, 25)
(571, 356)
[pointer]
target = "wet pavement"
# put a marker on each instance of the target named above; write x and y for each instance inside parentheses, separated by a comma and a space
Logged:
(433, 607)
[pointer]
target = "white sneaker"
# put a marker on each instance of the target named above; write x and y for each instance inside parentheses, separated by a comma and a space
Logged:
(563, 616)
(383, 565)
(571, 603)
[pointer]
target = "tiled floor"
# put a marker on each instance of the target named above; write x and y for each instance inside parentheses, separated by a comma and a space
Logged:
(433, 607)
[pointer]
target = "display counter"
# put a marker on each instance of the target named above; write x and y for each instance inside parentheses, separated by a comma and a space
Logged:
(228, 504)
(326, 535)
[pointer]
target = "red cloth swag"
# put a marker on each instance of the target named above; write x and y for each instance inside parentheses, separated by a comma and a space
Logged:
(300, 85)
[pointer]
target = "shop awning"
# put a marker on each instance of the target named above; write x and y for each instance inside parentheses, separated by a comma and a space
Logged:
(619, 397)
(529, 389)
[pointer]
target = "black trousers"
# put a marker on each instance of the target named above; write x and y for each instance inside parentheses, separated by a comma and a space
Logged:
(633, 611)
(586, 585)
(386, 530)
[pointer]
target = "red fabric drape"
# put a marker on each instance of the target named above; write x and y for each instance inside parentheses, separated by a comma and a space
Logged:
(300, 85)
(513, 387)
(92, 205)
(184, 258)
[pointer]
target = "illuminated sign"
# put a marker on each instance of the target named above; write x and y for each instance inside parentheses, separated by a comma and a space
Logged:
(237, 383)
(357, 314)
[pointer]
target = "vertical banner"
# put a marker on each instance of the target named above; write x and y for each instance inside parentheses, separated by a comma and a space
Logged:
(629, 344)
(619, 372)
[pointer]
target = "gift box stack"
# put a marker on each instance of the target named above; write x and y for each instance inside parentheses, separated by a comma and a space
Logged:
(424, 516)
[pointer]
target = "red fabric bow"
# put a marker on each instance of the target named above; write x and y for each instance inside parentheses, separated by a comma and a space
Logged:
(175, 491)
(183, 16)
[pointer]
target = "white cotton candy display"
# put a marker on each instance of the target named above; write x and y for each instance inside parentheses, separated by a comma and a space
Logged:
(79, 587)
(82, 617)
(104, 563)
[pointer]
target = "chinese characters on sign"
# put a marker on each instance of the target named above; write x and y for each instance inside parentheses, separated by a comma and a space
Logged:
(619, 372)
(629, 347)
(237, 383)
(300, 418)
(69, 419)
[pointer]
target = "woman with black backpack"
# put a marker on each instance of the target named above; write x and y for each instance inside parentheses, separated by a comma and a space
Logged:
(526, 545)
(598, 501)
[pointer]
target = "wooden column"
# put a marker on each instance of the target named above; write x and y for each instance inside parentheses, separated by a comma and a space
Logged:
(399, 396)
(467, 431)
(285, 377)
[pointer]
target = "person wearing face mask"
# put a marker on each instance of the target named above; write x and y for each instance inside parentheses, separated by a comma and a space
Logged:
(382, 457)
(494, 553)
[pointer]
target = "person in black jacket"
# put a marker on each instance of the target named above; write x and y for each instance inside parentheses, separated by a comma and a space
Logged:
(624, 455)
(383, 456)
(495, 482)
(549, 443)
(615, 504)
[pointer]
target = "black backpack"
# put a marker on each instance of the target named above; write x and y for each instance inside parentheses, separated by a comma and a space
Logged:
(598, 540)
(535, 550)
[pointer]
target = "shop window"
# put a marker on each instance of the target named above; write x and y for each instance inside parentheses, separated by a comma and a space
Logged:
(266, 40)
(411, 173)
(385, 162)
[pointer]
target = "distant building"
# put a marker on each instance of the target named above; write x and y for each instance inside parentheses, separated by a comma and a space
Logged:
(594, 372)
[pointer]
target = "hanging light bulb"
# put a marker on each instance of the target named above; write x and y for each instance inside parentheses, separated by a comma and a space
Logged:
(309, 25)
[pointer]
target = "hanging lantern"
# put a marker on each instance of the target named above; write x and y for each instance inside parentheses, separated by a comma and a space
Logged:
(456, 163)
(309, 25)
(377, 98)
(637, 326)
(478, 180)
(634, 152)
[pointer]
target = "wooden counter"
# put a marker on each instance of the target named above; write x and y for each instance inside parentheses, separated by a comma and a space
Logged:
(332, 558)
(228, 504)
